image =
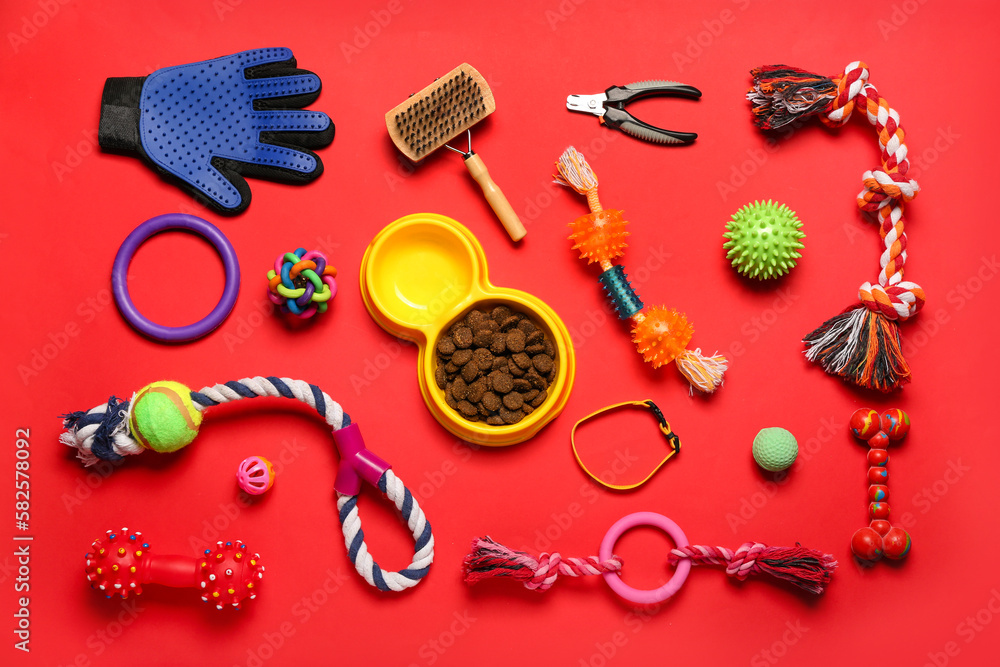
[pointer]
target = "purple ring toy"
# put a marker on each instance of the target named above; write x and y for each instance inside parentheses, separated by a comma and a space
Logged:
(119, 277)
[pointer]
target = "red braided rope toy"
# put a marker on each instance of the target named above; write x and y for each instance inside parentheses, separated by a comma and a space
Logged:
(808, 569)
(862, 343)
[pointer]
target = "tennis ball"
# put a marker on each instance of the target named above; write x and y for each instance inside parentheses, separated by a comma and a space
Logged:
(775, 449)
(163, 418)
(764, 239)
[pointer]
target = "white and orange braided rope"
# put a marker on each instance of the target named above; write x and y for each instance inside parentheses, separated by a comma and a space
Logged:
(885, 192)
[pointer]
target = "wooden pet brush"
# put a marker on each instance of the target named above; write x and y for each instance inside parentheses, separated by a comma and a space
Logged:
(440, 112)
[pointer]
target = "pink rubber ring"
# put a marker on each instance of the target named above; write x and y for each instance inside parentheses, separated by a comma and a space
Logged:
(614, 580)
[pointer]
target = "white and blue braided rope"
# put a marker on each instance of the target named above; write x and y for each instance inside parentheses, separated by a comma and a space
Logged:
(118, 442)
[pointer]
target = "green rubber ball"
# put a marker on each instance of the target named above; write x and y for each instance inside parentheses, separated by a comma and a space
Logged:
(163, 417)
(763, 240)
(775, 449)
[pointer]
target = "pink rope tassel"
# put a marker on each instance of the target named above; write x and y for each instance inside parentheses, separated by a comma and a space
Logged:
(489, 559)
(806, 568)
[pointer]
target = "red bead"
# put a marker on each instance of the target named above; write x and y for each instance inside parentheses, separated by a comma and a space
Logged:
(895, 423)
(877, 492)
(877, 457)
(878, 510)
(896, 543)
(865, 423)
(866, 544)
(880, 526)
(878, 441)
(878, 475)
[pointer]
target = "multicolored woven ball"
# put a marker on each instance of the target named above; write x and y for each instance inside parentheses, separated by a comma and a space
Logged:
(302, 283)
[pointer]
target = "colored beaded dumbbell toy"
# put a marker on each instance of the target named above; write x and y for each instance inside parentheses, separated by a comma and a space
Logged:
(302, 283)
(660, 334)
(880, 538)
(121, 562)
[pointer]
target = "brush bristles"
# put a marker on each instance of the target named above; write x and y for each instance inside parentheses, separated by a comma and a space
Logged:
(454, 106)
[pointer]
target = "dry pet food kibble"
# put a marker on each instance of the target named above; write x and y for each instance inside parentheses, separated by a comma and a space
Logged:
(495, 366)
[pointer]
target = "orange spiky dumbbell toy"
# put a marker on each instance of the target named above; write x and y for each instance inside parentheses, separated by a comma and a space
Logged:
(660, 334)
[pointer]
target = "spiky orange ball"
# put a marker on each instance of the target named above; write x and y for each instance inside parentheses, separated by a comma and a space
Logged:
(599, 236)
(661, 334)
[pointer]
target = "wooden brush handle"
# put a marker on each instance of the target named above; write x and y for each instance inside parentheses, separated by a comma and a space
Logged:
(495, 197)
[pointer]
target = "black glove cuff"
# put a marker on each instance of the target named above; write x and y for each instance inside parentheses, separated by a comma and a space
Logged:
(119, 127)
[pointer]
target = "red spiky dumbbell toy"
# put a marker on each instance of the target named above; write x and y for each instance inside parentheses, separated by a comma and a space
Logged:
(879, 538)
(120, 563)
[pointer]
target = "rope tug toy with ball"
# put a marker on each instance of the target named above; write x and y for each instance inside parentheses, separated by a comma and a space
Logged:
(861, 344)
(165, 416)
(660, 334)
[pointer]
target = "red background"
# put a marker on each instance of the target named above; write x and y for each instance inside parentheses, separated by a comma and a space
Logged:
(68, 207)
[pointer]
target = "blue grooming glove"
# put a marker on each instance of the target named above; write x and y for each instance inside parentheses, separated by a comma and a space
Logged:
(207, 125)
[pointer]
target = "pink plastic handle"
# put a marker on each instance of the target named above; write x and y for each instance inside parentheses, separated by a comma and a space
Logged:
(614, 580)
(356, 462)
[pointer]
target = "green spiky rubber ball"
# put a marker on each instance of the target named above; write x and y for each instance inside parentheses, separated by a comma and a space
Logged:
(775, 449)
(763, 240)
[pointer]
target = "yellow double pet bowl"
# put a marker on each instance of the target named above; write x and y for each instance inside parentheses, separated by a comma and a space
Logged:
(424, 272)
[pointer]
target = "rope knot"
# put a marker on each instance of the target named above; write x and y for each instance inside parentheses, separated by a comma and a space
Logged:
(849, 86)
(546, 572)
(885, 189)
(743, 562)
(899, 301)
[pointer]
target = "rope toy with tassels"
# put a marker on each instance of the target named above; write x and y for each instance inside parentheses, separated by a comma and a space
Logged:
(166, 416)
(862, 343)
(808, 569)
(660, 334)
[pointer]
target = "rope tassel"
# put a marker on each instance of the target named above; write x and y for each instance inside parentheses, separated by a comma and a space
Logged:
(489, 559)
(808, 569)
(861, 344)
